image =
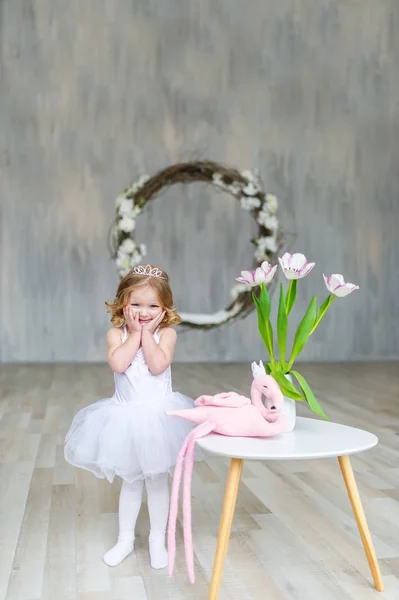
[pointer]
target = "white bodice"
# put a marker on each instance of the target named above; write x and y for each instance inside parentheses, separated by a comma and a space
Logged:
(137, 384)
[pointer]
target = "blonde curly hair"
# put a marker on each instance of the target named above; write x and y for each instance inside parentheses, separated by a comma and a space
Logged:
(133, 280)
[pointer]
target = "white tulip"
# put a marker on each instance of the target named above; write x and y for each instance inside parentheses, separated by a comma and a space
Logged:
(336, 285)
(295, 266)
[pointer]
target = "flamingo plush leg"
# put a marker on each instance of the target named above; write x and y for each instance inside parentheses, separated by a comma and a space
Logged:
(201, 431)
(174, 506)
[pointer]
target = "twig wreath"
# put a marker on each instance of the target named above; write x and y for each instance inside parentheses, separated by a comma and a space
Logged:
(244, 186)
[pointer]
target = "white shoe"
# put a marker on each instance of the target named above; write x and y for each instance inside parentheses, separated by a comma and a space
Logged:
(118, 553)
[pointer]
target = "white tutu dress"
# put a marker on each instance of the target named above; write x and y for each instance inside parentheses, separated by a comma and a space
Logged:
(129, 435)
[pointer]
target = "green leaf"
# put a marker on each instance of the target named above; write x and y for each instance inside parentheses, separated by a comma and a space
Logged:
(291, 296)
(282, 326)
(265, 307)
(269, 331)
(309, 395)
(303, 330)
(261, 321)
(265, 328)
(264, 299)
(287, 388)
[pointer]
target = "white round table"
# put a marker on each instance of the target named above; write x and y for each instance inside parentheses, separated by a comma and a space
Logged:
(311, 439)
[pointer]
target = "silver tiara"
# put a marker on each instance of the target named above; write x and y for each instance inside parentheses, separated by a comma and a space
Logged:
(148, 271)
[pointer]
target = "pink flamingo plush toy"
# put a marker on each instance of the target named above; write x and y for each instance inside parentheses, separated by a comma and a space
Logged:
(227, 414)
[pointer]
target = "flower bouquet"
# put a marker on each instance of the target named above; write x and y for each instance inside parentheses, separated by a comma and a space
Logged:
(294, 267)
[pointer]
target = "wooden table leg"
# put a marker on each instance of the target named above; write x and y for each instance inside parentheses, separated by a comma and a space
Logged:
(356, 502)
(229, 505)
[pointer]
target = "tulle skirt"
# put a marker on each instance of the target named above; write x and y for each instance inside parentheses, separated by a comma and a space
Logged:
(133, 440)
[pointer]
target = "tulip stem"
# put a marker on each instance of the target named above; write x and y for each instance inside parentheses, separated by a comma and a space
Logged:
(322, 311)
(291, 295)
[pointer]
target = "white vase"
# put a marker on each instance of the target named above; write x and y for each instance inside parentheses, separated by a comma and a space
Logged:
(289, 410)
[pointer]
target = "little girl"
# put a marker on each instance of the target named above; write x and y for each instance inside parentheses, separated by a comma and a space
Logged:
(129, 435)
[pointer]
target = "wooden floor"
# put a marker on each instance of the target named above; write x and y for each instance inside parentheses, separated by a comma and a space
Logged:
(294, 535)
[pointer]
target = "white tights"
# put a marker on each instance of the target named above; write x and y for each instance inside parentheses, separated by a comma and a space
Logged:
(129, 507)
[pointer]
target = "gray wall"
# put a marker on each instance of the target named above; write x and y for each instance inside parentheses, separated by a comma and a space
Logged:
(95, 92)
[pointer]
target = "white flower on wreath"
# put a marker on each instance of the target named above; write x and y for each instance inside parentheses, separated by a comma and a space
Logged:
(217, 180)
(235, 188)
(127, 224)
(127, 246)
(119, 200)
(248, 175)
(250, 189)
(126, 207)
(142, 180)
(260, 254)
(271, 203)
(131, 215)
(238, 289)
(267, 220)
(264, 245)
(133, 189)
(137, 185)
(125, 260)
(249, 203)
(136, 258)
(251, 176)
(122, 260)
(141, 251)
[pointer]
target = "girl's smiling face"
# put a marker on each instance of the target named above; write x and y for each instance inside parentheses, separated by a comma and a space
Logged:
(145, 301)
